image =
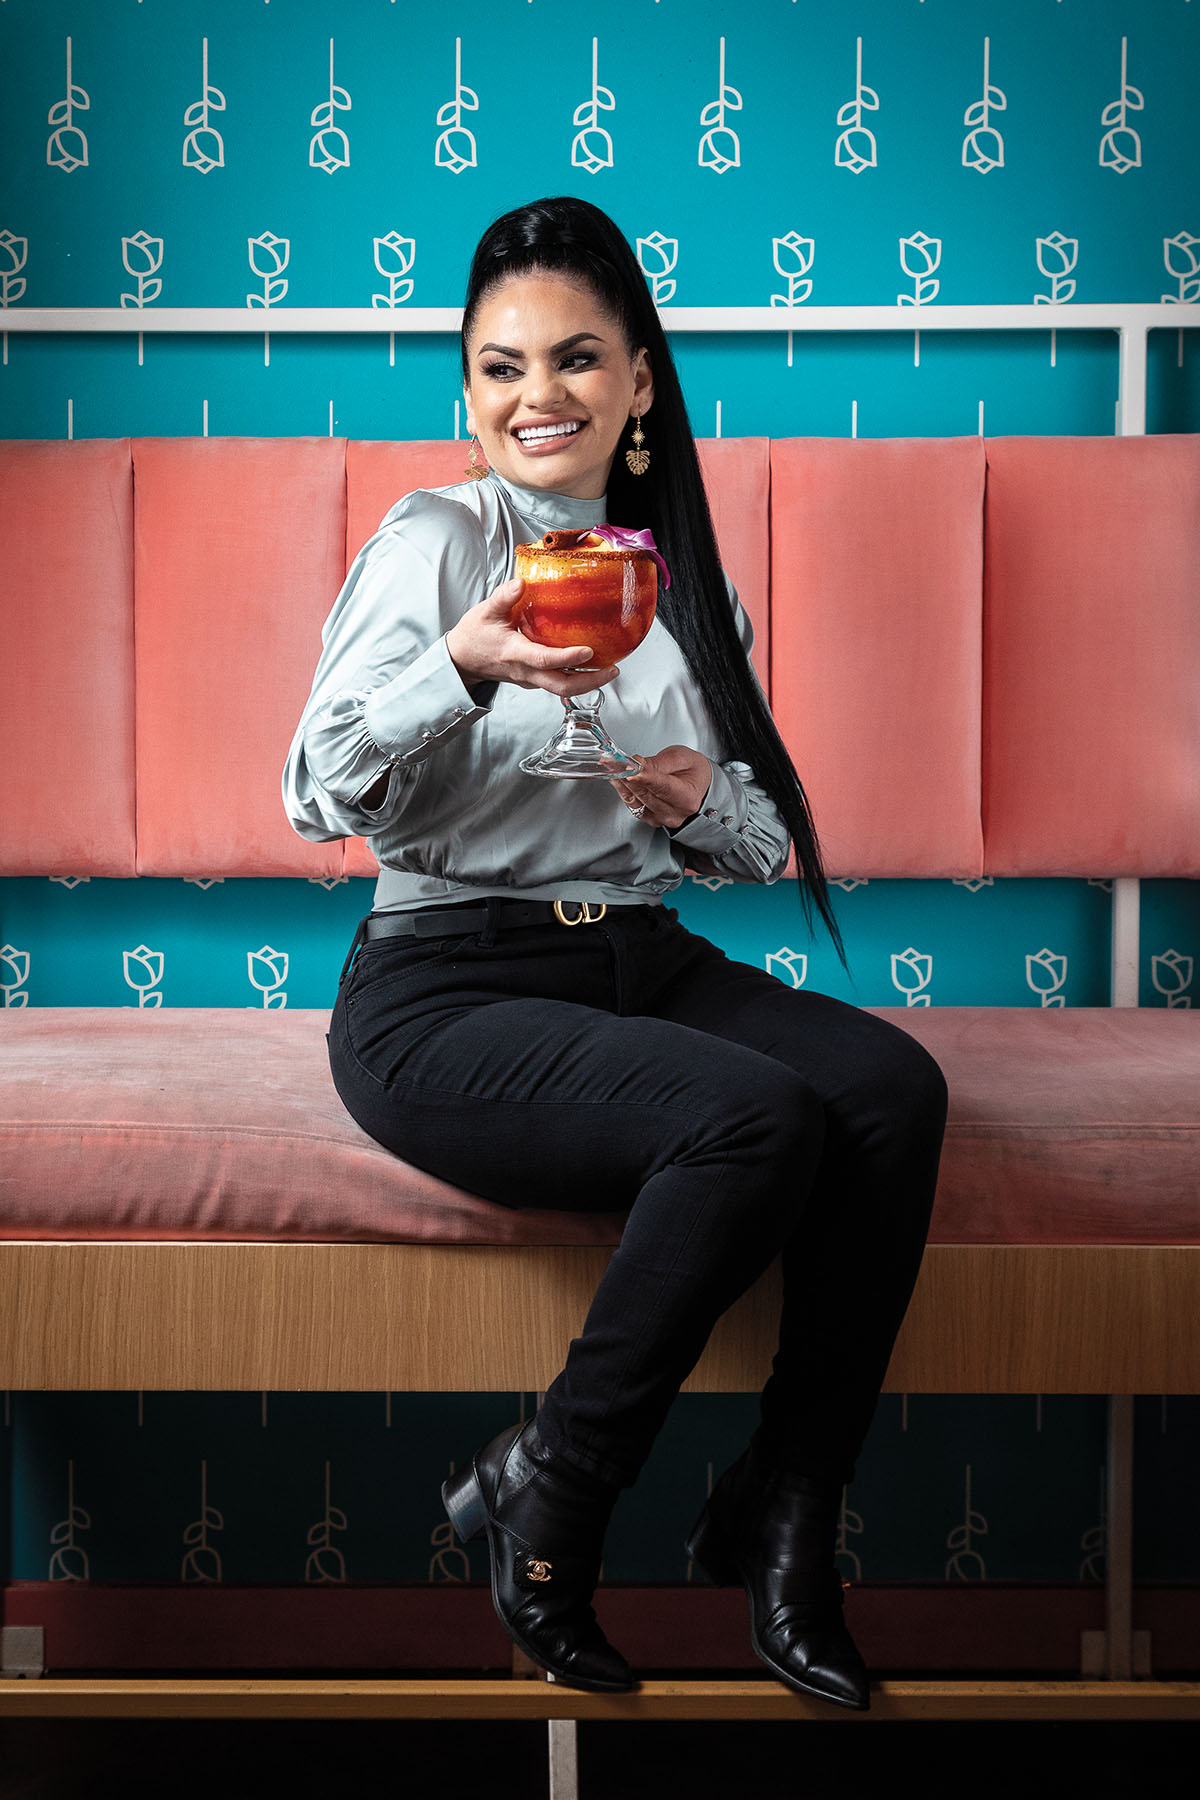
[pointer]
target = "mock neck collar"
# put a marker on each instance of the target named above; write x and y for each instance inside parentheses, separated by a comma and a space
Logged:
(550, 512)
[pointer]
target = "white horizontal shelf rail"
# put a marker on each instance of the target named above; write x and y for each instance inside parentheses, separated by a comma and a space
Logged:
(1131, 320)
(1084, 316)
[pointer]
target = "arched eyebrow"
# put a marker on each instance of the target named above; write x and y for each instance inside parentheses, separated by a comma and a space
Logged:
(580, 337)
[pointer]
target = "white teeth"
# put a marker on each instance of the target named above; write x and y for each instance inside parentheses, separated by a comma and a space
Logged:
(531, 433)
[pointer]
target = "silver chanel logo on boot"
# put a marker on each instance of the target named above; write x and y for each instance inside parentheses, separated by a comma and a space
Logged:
(537, 1571)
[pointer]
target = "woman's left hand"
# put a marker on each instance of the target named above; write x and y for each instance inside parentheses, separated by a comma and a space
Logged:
(670, 788)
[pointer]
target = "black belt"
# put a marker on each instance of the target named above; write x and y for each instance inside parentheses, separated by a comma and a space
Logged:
(448, 922)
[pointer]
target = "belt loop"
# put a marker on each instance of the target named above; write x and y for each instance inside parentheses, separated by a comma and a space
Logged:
(359, 938)
(487, 936)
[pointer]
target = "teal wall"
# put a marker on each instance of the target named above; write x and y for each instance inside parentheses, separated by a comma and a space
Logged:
(1055, 70)
(149, 195)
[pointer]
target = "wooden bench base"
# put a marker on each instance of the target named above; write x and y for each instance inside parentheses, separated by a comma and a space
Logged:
(985, 1319)
(696, 1701)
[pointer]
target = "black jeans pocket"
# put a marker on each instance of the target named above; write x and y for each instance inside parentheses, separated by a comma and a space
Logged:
(390, 962)
(388, 1000)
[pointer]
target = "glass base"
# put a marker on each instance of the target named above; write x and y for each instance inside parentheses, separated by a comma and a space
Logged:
(581, 749)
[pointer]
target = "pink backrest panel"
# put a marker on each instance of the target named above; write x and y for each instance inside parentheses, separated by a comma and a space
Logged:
(876, 598)
(239, 551)
(1091, 748)
(882, 649)
(66, 722)
(737, 476)
(380, 472)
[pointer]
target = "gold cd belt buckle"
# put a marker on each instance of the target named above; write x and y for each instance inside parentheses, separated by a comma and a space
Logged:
(587, 914)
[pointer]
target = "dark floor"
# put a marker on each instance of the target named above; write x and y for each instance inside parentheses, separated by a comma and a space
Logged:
(78, 1759)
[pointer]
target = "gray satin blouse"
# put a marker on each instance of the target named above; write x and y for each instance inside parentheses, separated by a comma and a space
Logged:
(459, 818)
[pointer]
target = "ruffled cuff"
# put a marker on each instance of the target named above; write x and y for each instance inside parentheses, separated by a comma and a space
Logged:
(723, 812)
(409, 717)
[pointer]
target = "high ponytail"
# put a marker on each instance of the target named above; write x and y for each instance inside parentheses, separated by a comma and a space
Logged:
(570, 237)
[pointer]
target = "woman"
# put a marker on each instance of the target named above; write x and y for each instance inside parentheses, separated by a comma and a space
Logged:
(622, 1062)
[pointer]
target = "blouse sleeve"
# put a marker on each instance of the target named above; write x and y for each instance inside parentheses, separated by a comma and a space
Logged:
(738, 831)
(386, 694)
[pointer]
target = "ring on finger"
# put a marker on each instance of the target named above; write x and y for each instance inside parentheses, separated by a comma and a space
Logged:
(637, 811)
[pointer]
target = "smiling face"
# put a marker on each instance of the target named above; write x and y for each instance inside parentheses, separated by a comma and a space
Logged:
(552, 384)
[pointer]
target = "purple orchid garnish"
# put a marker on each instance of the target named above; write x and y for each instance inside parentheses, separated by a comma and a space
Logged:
(621, 537)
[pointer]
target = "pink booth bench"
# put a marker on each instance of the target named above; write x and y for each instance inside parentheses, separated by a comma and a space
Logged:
(985, 658)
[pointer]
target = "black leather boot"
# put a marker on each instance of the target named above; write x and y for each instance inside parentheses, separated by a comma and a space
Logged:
(545, 1524)
(775, 1533)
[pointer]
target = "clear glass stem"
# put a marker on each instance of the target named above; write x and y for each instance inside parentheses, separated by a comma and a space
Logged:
(581, 748)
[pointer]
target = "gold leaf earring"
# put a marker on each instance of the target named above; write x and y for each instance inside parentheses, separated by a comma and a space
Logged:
(637, 458)
(473, 469)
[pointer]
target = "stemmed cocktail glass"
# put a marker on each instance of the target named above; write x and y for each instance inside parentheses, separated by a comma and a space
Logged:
(595, 587)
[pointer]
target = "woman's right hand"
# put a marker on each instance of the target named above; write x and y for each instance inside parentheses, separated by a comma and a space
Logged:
(485, 645)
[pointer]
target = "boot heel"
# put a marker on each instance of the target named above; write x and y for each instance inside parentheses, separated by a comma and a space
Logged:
(465, 1505)
(708, 1550)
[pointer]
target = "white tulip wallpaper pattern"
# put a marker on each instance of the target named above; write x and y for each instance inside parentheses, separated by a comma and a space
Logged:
(272, 154)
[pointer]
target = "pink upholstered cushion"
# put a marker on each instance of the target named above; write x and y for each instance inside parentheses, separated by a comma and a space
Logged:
(1067, 1126)
(1071, 1125)
(876, 573)
(737, 476)
(1091, 757)
(737, 479)
(66, 719)
(380, 472)
(239, 552)
(206, 1123)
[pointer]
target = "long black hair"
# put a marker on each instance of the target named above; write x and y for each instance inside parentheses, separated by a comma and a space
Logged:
(570, 237)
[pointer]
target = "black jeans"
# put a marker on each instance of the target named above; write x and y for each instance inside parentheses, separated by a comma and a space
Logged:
(630, 1065)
